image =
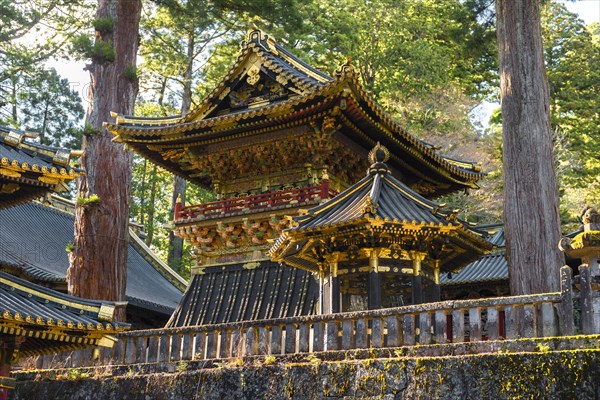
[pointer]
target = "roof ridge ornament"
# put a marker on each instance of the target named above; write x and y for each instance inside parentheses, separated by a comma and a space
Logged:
(370, 207)
(345, 69)
(261, 38)
(377, 157)
(379, 154)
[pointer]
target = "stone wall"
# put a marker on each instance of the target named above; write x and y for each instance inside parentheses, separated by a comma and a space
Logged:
(544, 370)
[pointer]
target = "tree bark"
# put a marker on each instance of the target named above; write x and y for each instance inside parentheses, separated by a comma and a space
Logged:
(179, 185)
(143, 192)
(176, 243)
(531, 214)
(98, 267)
(151, 201)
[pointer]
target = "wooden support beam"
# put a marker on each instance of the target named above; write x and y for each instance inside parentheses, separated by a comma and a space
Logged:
(437, 296)
(334, 281)
(325, 294)
(374, 282)
(417, 280)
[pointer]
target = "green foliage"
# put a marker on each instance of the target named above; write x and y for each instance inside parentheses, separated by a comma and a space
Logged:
(131, 73)
(49, 106)
(87, 201)
(99, 51)
(70, 247)
(88, 130)
(104, 25)
(30, 33)
(572, 55)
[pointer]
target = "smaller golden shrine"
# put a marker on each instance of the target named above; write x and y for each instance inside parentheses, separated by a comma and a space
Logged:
(380, 240)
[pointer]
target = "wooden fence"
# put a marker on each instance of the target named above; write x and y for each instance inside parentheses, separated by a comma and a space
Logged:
(540, 315)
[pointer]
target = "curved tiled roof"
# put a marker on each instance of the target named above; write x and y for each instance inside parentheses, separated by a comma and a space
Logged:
(33, 238)
(28, 169)
(313, 95)
(491, 267)
(51, 321)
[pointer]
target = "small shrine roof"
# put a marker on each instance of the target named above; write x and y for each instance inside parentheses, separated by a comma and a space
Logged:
(491, 267)
(29, 170)
(50, 321)
(378, 201)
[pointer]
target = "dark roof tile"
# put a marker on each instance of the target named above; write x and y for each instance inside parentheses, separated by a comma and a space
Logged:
(33, 238)
(234, 293)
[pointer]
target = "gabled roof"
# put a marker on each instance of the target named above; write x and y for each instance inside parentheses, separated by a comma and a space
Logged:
(245, 292)
(307, 97)
(29, 170)
(378, 202)
(489, 268)
(33, 238)
(49, 321)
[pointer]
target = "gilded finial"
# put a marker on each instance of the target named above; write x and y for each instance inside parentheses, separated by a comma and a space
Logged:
(178, 201)
(370, 207)
(379, 154)
(345, 69)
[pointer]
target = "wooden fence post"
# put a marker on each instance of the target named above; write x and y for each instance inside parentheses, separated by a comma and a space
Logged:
(331, 335)
(290, 339)
(361, 334)
(493, 331)
(565, 307)
(458, 325)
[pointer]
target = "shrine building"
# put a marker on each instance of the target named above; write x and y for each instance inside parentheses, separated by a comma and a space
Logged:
(276, 138)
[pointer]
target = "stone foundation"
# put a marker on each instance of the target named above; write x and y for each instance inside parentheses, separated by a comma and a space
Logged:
(564, 368)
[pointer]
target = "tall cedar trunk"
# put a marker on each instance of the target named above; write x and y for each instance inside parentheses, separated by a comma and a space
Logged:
(143, 192)
(151, 202)
(176, 243)
(99, 262)
(531, 216)
(179, 185)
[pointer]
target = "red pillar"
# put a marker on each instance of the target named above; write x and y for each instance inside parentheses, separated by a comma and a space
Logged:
(324, 187)
(178, 207)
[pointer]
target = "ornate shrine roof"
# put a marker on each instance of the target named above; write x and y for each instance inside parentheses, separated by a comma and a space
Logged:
(29, 170)
(48, 321)
(379, 202)
(269, 90)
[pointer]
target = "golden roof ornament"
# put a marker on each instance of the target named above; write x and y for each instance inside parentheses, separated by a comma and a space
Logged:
(379, 154)
(370, 207)
(345, 69)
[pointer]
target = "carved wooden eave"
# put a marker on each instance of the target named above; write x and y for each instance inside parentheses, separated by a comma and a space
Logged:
(45, 321)
(305, 99)
(29, 170)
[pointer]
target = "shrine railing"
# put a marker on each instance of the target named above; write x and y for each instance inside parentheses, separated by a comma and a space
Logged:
(255, 202)
(501, 318)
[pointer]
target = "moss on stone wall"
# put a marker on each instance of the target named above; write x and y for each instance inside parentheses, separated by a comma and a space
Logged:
(544, 374)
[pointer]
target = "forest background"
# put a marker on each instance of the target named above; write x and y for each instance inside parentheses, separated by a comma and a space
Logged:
(430, 63)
